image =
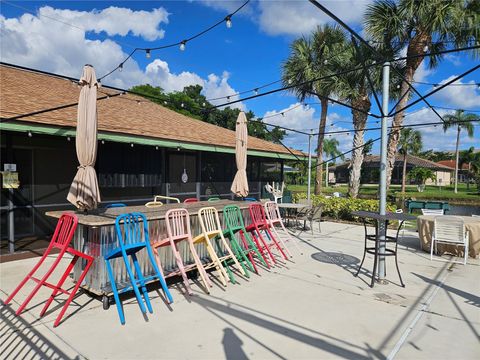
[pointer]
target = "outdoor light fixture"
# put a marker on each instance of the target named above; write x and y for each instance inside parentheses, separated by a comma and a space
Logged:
(165, 102)
(68, 138)
(182, 45)
(228, 21)
(103, 142)
(29, 134)
(131, 145)
(147, 53)
(156, 147)
(182, 105)
(203, 104)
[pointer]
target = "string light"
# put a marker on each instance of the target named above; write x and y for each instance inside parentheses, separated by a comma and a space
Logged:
(255, 91)
(68, 138)
(147, 53)
(131, 145)
(425, 48)
(138, 102)
(30, 134)
(120, 67)
(156, 147)
(228, 21)
(103, 142)
(182, 45)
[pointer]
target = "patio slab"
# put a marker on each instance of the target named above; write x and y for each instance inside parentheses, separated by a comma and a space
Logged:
(308, 308)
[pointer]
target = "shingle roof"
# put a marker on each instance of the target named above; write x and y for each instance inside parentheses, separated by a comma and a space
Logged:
(374, 161)
(24, 91)
(451, 164)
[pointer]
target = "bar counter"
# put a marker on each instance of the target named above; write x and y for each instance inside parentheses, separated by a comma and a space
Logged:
(96, 236)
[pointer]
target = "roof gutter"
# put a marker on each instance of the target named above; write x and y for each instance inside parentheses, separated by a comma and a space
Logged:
(135, 139)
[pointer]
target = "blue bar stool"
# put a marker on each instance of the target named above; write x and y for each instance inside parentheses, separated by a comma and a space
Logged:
(132, 235)
(115, 205)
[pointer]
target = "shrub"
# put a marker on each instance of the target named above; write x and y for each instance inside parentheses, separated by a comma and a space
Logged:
(341, 208)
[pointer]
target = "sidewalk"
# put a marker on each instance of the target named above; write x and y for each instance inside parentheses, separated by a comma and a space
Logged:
(310, 308)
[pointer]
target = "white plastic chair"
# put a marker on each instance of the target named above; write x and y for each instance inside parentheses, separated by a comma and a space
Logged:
(433, 212)
(449, 230)
(162, 197)
(475, 216)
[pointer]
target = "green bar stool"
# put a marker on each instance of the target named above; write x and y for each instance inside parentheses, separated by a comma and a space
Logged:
(233, 218)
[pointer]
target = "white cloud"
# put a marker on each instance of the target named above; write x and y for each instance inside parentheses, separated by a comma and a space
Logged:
(423, 72)
(461, 97)
(42, 43)
(303, 118)
(434, 137)
(159, 74)
(217, 86)
(301, 17)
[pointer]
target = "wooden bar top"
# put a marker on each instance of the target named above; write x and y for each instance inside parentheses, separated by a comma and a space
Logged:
(106, 217)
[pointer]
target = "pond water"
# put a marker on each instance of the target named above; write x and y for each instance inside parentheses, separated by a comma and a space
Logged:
(464, 210)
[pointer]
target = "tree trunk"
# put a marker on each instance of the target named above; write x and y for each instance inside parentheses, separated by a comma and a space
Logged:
(456, 159)
(359, 121)
(414, 48)
(321, 135)
(404, 174)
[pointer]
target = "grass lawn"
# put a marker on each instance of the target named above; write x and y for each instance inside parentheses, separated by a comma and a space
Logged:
(444, 193)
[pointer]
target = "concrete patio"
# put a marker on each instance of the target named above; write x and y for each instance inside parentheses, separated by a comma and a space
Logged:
(310, 308)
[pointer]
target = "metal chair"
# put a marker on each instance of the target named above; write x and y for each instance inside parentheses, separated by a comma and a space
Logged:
(233, 218)
(222, 258)
(214, 198)
(61, 239)
(168, 198)
(436, 212)
(449, 230)
(153, 204)
(132, 236)
(310, 214)
(274, 218)
(115, 205)
(475, 216)
(190, 200)
(259, 223)
(178, 230)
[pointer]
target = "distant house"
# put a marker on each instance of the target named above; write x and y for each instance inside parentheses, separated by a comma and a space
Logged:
(462, 170)
(371, 170)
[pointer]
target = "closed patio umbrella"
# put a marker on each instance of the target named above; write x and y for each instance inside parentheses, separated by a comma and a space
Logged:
(84, 192)
(240, 183)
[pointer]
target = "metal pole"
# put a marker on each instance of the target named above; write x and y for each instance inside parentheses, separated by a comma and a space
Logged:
(326, 174)
(11, 223)
(382, 206)
(309, 164)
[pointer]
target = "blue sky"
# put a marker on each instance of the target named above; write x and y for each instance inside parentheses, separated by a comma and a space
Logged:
(224, 61)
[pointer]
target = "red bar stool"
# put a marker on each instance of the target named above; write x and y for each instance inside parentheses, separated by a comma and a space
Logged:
(61, 240)
(259, 223)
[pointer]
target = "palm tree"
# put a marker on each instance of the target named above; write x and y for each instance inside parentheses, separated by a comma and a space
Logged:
(410, 142)
(461, 121)
(309, 60)
(468, 157)
(330, 149)
(420, 26)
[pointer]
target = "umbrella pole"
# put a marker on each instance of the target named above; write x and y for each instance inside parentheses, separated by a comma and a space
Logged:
(309, 164)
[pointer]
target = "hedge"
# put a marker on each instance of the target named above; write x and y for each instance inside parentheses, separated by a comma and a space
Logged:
(341, 208)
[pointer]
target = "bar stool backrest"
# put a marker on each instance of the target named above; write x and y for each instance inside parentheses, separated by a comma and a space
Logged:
(272, 211)
(257, 214)
(213, 199)
(209, 220)
(433, 211)
(157, 198)
(67, 223)
(449, 229)
(132, 228)
(190, 200)
(232, 215)
(178, 224)
(115, 205)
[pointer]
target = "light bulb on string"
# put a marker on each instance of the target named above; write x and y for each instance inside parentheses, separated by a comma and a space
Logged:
(425, 48)
(147, 53)
(182, 45)
(182, 105)
(228, 21)
(131, 145)
(255, 91)
(30, 134)
(120, 67)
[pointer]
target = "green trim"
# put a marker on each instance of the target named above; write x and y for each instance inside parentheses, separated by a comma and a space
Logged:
(135, 139)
